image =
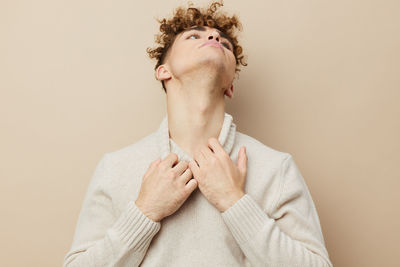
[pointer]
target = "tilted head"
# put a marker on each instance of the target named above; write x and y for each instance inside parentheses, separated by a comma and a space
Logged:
(189, 29)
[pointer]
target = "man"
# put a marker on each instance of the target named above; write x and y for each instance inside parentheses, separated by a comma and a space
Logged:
(196, 192)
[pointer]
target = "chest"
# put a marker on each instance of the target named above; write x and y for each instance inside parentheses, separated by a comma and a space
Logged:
(194, 234)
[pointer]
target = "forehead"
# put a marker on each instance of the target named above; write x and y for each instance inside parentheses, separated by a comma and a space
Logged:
(205, 28)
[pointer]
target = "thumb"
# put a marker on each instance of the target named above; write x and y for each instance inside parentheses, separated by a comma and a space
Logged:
(242, 160)
(155, 162)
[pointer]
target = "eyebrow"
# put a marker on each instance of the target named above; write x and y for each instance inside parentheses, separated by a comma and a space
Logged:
(202, 28)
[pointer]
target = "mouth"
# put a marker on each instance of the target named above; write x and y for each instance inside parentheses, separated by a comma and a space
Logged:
(213, 43)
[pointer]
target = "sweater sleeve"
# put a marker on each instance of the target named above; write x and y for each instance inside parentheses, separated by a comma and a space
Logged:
(101, 240)
(291, 236)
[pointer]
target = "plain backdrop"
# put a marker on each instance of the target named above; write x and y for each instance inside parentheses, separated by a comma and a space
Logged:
(322, 83)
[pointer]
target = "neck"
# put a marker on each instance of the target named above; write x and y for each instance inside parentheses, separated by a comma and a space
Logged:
(194, 115)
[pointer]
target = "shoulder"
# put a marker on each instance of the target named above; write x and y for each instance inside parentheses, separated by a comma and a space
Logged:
(142, 151)
(260, 152)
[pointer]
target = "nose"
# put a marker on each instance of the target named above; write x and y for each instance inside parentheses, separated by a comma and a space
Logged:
(214, 34)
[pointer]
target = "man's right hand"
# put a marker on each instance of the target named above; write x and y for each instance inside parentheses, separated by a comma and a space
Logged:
(165, 188)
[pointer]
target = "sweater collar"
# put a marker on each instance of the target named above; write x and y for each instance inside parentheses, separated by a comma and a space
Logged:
(226, 138)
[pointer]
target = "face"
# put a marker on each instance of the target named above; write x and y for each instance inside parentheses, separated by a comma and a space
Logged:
(190, 53)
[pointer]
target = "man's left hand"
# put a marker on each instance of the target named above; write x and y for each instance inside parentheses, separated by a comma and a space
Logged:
(219, 179)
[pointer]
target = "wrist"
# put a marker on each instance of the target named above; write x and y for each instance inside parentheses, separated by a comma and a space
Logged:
(148, 212)
(232, 201)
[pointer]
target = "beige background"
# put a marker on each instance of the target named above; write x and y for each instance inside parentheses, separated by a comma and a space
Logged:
(322, 84)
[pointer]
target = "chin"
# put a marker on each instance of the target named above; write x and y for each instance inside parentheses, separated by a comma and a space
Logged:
(213, 63)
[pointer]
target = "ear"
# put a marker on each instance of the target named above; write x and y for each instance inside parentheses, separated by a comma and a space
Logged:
(162, 73)
(229, 92)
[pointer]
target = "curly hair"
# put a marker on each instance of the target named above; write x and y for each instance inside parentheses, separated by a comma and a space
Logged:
(183, 19)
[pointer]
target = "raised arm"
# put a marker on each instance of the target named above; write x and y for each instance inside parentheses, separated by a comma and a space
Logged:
(102, 240)
(290, 236)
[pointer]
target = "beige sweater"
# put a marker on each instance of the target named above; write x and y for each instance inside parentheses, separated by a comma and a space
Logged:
(274, 224)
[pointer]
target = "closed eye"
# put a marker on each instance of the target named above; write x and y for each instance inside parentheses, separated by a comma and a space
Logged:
(224, 43)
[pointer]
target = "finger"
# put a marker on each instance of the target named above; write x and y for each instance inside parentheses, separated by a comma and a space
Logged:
(153, 165)
(194, 168)
(206, 152)
(155, 162)
(242, 160)
(199, 157)
(171, 159)
(181, 167)
(215, 145)
(186, 176)
(191, 186)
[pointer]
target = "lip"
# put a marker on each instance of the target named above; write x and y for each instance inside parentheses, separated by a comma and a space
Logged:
(213, 43)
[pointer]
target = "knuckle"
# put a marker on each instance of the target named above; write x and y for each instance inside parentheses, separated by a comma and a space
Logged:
(225, 156)
(162, 165)
(172, 173)
(212, 160)
(156, 163)
(169, 175)
(212, 140)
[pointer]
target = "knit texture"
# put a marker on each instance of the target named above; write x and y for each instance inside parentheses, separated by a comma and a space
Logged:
(274, 224)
